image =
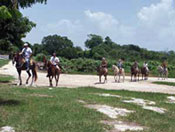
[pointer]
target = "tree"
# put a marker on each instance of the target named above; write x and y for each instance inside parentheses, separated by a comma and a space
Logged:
(37, 48)
(55, 43)
(13, 27)
(108, 41)
(15, 4)
(93, 41)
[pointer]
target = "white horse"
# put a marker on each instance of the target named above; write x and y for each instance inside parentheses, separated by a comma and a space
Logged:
(163, 73)
(118, 73)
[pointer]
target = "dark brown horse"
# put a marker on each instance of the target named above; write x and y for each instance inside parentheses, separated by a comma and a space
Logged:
(145, 73)
(21, 65)
(135, 72)
(102, 71)
(53, 72)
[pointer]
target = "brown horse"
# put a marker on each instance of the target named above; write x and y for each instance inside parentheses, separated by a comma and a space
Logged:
(53, 72)
(145, 73)
(135, 72)
(102, 71)
(21, 65)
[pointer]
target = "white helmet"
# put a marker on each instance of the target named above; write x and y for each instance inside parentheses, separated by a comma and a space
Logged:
(26, 44)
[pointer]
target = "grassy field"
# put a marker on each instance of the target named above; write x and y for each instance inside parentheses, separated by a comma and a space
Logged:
(3, 62)
(57, 110)
(41, 109)
(165, 83)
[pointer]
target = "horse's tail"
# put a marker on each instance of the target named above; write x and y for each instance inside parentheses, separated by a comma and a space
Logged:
(35, 72)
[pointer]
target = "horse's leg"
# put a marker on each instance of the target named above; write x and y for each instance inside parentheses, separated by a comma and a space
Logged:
(19, 77)
(131, 77)
(56, 79)
(58, 76)
(29, 75)
(114, 77)
(100, 78)
(119, 77)
(50, 80)
(33, 77)
(135, 77)
(105, 81)
(123, 77)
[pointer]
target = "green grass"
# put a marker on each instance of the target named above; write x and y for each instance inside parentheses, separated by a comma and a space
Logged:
(165, 83)
(62, 112)
(5, 78)
(3, 62)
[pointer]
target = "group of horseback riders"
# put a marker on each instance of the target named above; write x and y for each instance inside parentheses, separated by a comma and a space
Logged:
(27, 53)
(121, 61)
(24, 62)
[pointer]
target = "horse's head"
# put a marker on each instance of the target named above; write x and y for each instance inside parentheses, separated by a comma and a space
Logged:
(18, 59)
(113, 67)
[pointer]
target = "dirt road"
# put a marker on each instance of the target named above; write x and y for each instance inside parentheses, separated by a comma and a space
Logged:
(74, 81)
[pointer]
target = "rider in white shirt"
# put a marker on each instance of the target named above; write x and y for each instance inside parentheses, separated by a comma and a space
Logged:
(55, 60)
(145, 65)
(27, 53)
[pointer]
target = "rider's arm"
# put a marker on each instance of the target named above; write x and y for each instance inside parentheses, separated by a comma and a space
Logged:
(57, 60)
(30, 53)
(22, 51)
(51, 59)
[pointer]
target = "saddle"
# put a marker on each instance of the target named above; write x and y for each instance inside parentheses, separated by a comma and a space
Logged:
(120, 70)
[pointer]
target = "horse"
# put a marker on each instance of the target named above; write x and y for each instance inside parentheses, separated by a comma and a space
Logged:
(102, 71)
(53, 72)
(118, 72)
(21, 65)
(163, 72)
(145, 73)
(135, 72)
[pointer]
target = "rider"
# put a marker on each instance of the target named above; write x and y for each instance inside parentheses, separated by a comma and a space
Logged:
(145, 65)
(55, 60)
(136, 64)
(104, 63)
(26, 53)
(164, 65)
(120, 64)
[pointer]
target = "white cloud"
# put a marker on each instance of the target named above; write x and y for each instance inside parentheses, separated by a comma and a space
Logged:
(107, 25)
(156, 28)
(103, 20)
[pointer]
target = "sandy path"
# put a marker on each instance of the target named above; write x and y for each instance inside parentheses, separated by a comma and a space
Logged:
(73, 81)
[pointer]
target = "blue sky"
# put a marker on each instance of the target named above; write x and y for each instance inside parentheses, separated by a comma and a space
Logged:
(147, 23)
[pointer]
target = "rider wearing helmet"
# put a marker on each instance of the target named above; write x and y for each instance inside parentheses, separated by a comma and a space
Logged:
(26, 53)
(104, 63)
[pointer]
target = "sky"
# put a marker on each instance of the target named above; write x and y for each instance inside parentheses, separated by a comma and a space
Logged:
(147, 23)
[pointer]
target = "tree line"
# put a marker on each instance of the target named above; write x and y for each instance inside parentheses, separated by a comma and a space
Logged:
(97, 47)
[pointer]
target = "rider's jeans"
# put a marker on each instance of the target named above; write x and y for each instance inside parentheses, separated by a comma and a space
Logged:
(27, 63)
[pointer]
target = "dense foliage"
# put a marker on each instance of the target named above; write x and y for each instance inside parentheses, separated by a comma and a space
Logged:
(13, 25)
(98, 48)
